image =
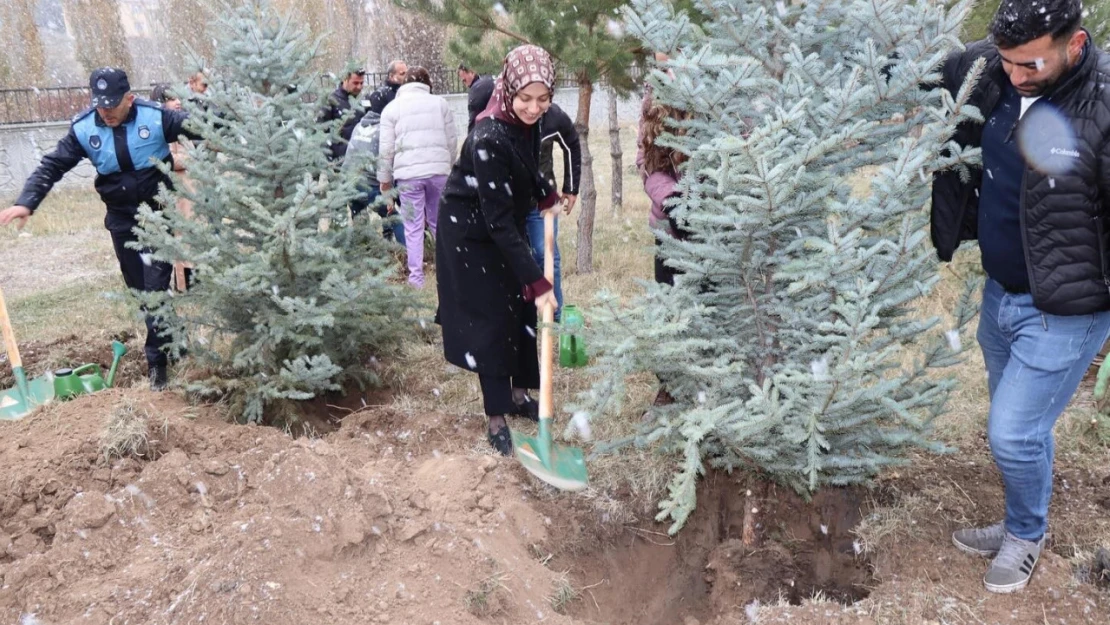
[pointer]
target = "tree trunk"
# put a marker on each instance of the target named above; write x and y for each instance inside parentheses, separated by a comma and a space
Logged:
(615, 153)
(587, 194)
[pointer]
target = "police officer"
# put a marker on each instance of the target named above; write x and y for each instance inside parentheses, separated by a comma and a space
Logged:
(125, 138)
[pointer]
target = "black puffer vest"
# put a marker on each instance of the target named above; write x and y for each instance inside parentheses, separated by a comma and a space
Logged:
(1065, 199)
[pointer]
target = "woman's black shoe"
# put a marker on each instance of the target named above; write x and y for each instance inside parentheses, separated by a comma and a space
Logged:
(501, 441)
(530, 409)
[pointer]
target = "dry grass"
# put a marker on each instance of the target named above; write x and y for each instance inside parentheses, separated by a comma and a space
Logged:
(127, 431)
(564, 593)
(77, 309)
(65, 211)
(485, 600)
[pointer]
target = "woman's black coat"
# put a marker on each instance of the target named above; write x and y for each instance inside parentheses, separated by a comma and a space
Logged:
(483, 259)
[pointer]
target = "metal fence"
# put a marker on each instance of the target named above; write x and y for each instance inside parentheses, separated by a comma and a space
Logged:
(59, 104)
(47, 104)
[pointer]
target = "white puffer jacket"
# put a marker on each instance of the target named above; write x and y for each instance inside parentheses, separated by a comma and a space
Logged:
(417, 135)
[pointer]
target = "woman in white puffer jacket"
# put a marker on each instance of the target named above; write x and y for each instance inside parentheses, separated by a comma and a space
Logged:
(418, 144)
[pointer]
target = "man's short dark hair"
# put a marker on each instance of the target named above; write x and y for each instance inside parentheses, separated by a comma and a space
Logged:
(162, 93)
(1018, 22)
(464, 68)
(354, 72)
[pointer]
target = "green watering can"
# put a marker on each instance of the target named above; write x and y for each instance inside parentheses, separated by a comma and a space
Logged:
(69, 383)
(21, 400)
(572, 350)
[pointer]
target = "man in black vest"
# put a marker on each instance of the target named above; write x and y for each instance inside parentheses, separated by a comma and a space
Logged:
(125, 138)
(1039, 208)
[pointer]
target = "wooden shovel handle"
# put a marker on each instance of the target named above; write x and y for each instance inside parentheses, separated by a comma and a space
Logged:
(9, 335)
(547, 342)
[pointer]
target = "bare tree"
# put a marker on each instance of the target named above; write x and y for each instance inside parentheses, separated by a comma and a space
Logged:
(186, 35)
(24, 59)
(407, 35)
(99, 34)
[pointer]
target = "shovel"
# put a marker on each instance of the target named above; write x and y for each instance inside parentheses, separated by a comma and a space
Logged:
(18, 402)
(562, 466)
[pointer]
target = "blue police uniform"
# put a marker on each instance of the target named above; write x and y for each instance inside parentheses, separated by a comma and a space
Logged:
(126, 159)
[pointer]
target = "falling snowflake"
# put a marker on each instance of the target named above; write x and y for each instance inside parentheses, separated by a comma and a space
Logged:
(820, 369)
(484, 155)
(146, 258)
(454, 220)
(531, 331)
(472, 182)
(581, 423)
(953, 337)
(473, 364)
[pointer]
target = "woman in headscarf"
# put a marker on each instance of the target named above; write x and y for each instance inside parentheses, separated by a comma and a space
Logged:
(490, 287)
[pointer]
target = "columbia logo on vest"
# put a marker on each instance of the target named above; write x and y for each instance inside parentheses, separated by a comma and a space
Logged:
(1064, 152)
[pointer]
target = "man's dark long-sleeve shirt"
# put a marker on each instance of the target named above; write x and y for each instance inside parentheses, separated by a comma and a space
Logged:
(557, 127)
(125, 158)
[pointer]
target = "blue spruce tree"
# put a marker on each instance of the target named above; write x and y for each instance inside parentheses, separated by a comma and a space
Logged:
(790, 341)
(290, 299)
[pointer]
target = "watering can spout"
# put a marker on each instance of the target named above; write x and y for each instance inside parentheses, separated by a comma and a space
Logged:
(118, 350)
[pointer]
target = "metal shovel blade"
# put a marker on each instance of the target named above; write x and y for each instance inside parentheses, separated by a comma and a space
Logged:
(18, 402)
(561, 466)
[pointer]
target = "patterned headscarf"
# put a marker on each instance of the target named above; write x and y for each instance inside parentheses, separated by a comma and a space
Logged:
(523, 66)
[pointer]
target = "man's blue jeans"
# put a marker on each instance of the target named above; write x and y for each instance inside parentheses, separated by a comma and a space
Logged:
(535, 239)
(1035, 362)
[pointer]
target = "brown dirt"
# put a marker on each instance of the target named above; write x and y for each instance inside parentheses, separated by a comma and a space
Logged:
(799, 549)
(396, 518)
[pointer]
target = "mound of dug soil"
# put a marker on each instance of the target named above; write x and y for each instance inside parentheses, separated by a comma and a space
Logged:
(226, 524)
(403, 518)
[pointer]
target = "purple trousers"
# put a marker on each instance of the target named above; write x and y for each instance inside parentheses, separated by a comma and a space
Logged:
(419, 207)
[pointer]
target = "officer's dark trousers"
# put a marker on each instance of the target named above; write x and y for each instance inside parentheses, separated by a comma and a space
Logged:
(144, 276)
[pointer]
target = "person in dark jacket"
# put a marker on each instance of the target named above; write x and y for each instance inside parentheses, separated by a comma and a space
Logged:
(486, 273)
(479, 91)
(556, 127)
(126, 139)
(396, 74)
(1039, 208)
(338, 104)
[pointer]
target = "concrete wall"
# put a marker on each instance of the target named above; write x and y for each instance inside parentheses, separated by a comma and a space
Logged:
(22, 146)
